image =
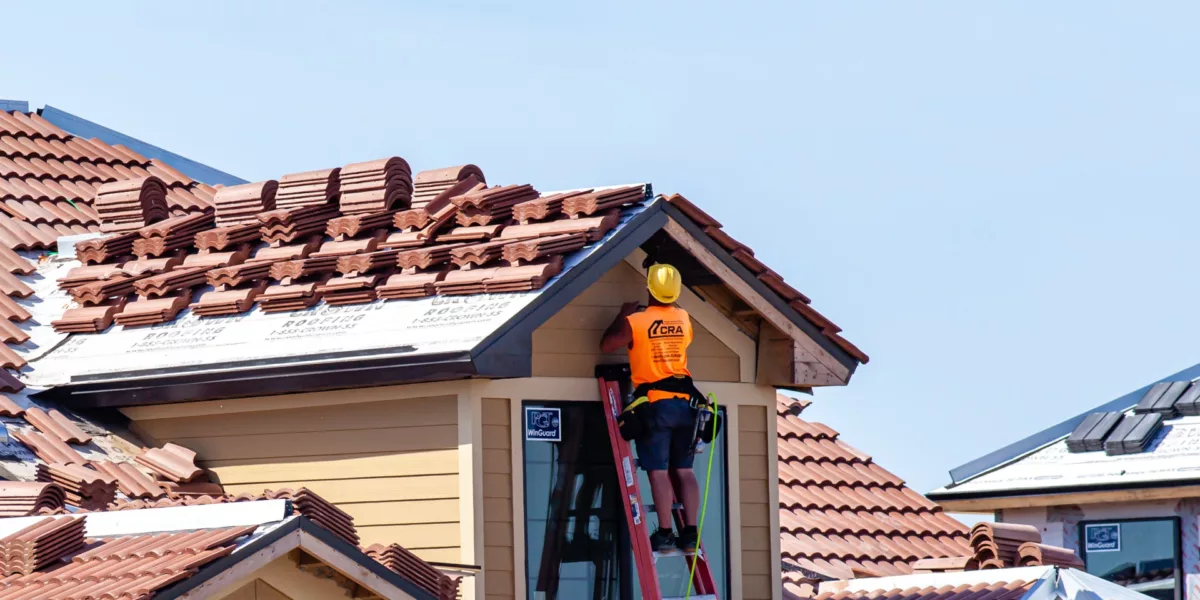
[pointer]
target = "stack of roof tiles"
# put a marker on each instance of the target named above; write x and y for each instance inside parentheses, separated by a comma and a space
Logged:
(83, 487)
(1117, 433)
(240, 205)
(1001, 546)
(42, 543)
(128, 205)
(843, 516)
(172, 462)
(401, 561)
(21, 498)
(458, 238)
(311, 188)
(433, 183)
(375, 186)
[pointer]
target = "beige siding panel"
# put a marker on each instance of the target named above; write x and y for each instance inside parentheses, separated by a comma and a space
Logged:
(497, 462)
(753, 486)
(755, 514)
(498, 533)
(567, 344)
(420, 412)
(282, 445)
(392, 464)
(500, 584)
(752, 467)
(496, 485)
(425, 535)
(498, 550)
(757, 587)
(496, 437)
(404, 512)
(752, 443)
(756, 562)
(344, 466)
(378, 489)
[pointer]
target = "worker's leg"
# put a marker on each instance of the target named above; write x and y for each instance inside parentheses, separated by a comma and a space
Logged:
(664, 496)
(689, 488)
(654, 450)
(683, 437)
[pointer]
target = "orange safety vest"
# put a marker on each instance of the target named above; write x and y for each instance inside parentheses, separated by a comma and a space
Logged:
(661, 336)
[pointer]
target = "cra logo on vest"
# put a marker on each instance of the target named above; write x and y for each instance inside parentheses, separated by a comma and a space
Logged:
(665, 329)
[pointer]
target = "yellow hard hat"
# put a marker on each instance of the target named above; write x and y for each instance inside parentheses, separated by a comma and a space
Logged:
(664, 283)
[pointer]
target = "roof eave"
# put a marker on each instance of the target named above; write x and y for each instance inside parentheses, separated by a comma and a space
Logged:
(761, 289)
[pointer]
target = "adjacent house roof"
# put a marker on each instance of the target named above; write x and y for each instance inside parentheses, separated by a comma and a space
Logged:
(1161, 452)
(842, 515)
(137, 554)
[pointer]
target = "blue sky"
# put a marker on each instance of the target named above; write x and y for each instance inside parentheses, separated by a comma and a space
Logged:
(998, 202)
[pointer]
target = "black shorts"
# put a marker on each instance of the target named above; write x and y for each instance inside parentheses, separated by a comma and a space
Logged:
(672, 433)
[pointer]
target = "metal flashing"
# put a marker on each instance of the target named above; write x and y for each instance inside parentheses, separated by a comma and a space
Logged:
(17, 105)
(81, 127)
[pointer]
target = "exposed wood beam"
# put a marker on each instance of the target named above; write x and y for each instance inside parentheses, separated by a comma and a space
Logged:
(807, 349)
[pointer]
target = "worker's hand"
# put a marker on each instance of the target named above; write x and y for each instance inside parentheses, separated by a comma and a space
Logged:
(629, 308)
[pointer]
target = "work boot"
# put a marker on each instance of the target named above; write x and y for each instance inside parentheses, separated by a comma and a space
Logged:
(689, 538)
(662, 540)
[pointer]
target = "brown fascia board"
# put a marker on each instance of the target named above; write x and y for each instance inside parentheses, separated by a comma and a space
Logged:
(507, 352)
(812, 331)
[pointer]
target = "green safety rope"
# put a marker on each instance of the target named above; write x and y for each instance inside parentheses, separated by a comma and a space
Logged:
(703, 504)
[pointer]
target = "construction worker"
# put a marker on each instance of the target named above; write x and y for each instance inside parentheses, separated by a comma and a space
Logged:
(657, 338)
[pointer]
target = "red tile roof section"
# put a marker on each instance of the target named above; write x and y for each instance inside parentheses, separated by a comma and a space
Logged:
(744, 255)
(172, 461)
(841, 514)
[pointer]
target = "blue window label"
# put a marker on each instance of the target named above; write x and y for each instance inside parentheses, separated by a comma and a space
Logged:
(1102, 538)
(543, 424)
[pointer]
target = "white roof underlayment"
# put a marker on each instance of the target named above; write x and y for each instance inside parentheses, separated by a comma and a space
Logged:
(1172, 456)
(1052, 583)
(434, 325)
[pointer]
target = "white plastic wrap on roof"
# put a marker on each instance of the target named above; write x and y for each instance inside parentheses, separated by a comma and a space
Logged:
(425, 326)
(1173, 455)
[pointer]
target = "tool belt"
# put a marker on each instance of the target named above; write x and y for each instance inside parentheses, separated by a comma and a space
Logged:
(637, 418)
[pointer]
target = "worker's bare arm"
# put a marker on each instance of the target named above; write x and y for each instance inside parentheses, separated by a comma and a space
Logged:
(618, 336)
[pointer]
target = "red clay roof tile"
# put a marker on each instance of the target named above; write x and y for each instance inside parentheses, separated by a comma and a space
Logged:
(840, 512)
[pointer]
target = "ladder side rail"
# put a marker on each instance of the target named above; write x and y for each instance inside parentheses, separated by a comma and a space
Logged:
(610, 395)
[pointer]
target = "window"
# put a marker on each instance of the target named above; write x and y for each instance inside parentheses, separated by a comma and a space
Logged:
(1140, 554)
(576, 540)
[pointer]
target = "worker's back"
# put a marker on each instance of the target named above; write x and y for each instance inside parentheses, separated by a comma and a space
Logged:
(661, 335)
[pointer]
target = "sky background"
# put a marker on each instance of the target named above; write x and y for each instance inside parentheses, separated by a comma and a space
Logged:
(997, 202)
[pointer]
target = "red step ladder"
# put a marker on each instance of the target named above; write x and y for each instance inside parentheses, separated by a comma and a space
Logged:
(646, 559)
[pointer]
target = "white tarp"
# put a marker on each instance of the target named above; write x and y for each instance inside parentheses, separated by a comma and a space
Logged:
(434, 325)
(1173, 455)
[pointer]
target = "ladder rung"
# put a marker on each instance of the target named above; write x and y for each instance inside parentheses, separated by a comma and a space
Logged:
(668, 553)
(692, 597)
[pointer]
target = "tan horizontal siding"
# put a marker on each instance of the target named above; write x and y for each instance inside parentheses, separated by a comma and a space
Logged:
(498, 547)
(755, 503)
(391, 464)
